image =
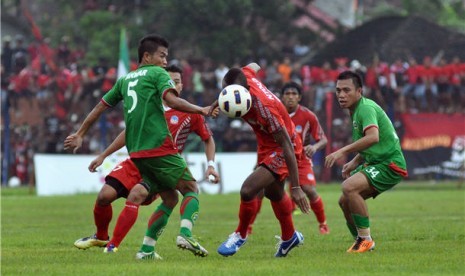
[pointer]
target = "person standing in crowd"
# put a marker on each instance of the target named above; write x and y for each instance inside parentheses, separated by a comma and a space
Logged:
(124, 177)
(150, 144)
(278, 145)
(306, 125)
(379, 164)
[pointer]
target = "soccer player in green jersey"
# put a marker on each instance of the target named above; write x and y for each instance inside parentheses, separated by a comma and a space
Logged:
(150, 144)
(379, 164)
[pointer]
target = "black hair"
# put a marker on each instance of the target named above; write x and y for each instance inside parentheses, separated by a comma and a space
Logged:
(150, 44)
(291, 84)
(356, 79)
(235, 76)
(174, 69)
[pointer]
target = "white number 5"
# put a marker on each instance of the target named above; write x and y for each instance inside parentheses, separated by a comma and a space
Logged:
(132, 93)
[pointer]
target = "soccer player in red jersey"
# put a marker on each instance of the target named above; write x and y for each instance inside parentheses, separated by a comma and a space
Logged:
(306, 125)
(125, 175)
(278, 145)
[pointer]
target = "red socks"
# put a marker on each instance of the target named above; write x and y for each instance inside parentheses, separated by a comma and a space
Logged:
(102, 218)
(319, 210)
(283, 212)
(247, 213)
(126, 220)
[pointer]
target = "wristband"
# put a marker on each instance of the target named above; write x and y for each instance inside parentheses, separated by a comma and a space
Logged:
(295, 187)
(211, 163)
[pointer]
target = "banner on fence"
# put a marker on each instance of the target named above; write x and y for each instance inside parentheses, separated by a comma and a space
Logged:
(434, 144)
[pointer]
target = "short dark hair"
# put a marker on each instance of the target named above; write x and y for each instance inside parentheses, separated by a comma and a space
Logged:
(174, 69)
(291, 84)
(356, 79)
(235, 76)
(150, 44)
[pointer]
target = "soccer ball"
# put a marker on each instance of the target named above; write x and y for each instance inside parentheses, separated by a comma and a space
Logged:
(235, 101)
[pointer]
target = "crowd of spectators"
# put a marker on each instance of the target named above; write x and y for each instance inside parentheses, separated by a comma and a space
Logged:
(58, 91)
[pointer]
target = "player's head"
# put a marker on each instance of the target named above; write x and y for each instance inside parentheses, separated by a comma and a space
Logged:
(291, 94)
(176, 75)
(153, 49)
(235, 76)
(349, 89)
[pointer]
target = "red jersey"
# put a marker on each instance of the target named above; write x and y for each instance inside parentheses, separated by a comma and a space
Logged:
(267, 116)
(182, 124)
(306, 123)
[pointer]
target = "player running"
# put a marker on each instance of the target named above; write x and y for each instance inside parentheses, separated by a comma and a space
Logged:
(306, 125)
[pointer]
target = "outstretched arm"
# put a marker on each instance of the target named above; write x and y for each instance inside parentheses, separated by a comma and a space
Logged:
(210, 153)
(172, 100)
(370, 138)
(74, 141)
(118, 143)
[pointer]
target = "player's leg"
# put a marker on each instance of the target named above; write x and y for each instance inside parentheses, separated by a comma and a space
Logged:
(103, 213)
(189, 211)
(347, 215)
(128, 216)
(282, 208)
(252, 186)
(356, 189)
(157, 223)
(317, 206)
(259, 200)
(308, 184)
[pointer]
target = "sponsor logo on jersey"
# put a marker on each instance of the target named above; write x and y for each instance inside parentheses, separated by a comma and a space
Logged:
(172, 84)
(174, 120)
(298, 129)
(354, 125)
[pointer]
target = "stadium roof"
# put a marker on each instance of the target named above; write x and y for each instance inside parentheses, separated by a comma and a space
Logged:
(394, 37)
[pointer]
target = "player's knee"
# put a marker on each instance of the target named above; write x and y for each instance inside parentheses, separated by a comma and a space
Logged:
(247, 193)
(187, 187)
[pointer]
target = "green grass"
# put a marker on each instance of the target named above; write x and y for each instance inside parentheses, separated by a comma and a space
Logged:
(419, 228)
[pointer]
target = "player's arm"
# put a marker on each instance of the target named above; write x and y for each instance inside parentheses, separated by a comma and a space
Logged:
(370, 138)
(210, 153)
(311, 149)
(117, 144)
(282, 138)
(74, 141)
(172, 100)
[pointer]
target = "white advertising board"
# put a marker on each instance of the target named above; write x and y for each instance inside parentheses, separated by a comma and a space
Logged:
(68, 174)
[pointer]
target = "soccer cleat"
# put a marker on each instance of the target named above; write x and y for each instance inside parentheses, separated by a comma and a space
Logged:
(89, 242)
(285, 246)
(361, 245)
(110, 248)
(148, 256)
(231, 245)
(296, 212)
(192, 245)
(324, 229)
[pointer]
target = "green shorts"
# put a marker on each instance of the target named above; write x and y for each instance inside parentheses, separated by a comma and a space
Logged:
(164, 172)
(380, 176)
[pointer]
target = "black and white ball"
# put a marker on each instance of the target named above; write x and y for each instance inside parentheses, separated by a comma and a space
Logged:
(235, 101)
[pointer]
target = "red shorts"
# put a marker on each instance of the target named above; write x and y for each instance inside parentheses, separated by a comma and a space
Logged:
(127, 173)
(276, 163)
(306, 175)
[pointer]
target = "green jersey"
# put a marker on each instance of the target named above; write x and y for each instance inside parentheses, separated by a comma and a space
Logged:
(141, 91)
(369, 114)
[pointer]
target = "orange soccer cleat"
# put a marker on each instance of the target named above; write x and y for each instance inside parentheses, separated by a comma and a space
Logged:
(361, 245)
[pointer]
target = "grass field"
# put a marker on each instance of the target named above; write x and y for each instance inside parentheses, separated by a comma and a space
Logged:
(419, 228)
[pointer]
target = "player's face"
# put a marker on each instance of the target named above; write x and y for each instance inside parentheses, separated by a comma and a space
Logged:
(346, 93)
(291, 98)
(159, 57)
(176, 77)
